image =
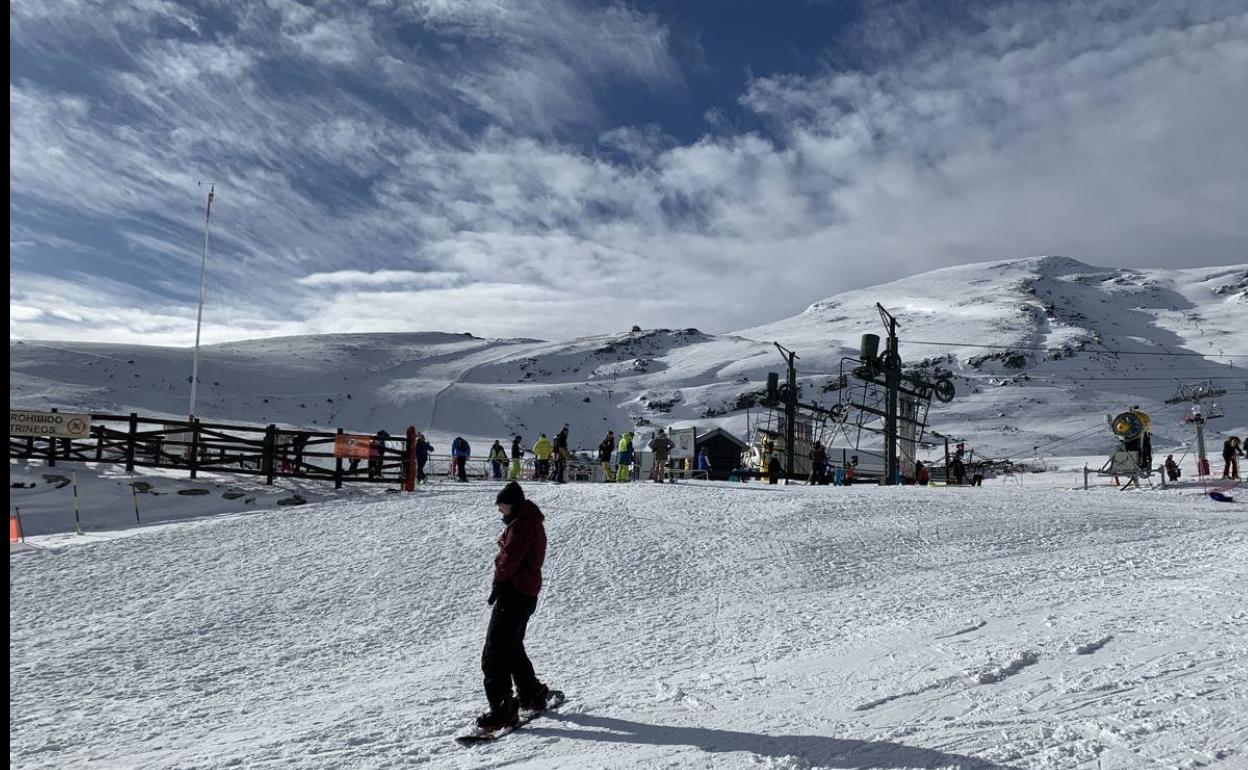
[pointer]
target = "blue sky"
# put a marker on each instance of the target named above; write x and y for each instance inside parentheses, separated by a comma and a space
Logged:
(555, 168)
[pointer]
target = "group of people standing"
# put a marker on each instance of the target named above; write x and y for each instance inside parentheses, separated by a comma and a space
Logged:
(552, 458)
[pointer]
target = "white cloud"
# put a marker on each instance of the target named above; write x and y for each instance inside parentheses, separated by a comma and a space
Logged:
(1071, 129)
(382, 279)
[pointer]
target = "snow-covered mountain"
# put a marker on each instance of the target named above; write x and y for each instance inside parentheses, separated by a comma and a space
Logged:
(1070, 344)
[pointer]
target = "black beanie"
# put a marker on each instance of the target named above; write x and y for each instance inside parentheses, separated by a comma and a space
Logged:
(511, 494)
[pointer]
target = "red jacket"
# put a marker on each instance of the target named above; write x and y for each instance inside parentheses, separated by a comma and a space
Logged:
(522, 549)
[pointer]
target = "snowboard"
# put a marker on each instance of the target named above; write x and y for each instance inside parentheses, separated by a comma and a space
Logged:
(477, 735)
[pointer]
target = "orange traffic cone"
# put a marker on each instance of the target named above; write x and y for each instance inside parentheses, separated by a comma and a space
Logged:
(15, 529)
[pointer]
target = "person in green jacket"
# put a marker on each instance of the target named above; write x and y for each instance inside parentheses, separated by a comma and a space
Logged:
(624, 462)
(498, 459)
(541, 451)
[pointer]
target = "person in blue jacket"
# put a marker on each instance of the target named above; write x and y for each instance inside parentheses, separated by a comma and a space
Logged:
(704, 461)
(461, 451)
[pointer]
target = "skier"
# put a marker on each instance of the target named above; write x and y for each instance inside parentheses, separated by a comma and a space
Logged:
(517, 583)
(818, 463)
(561, 453)
(1173, 471)
(661, 446)
(624, 461)
(423, 450)
(704, 461)
(1230, 458)
(604, 454)
(498, 459)
(838, 476)
(517, 454)
(460, 452)
(921, 475)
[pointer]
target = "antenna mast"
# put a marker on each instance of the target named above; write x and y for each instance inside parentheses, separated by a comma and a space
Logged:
(199, 313)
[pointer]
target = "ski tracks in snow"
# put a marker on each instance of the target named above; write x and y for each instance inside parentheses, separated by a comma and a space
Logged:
(698, 625)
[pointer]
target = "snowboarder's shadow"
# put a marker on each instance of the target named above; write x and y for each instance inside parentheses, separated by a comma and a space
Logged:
(817, 749)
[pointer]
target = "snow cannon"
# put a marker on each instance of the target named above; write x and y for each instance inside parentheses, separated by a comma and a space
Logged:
(1131, 425)
(1134, 458)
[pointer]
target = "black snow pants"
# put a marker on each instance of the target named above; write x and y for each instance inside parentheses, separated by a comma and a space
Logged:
(504, 659)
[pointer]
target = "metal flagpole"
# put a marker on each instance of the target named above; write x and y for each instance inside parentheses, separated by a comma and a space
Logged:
(199, 314)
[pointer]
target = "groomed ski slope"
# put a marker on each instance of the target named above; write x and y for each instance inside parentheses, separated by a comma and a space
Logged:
(692, 625)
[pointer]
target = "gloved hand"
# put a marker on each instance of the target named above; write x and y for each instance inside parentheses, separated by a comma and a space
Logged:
(493, 595)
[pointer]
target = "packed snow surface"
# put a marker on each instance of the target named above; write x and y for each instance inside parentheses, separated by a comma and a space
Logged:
(692, 625)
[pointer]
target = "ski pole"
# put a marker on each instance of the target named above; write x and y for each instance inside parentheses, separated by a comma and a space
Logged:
(77, 517)
(135, 494)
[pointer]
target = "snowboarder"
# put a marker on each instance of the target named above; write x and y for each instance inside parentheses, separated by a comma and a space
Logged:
(561, 453)
(423, 450)
(624, 460)
(541, 451)
(517, 583)
(517, 454)
(661, 446)
(1173, 472)
(460, 452)
(498, 459)
(818, 463)
(604, 454)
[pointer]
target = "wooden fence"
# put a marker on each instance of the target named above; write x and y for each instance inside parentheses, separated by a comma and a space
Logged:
(196, 446)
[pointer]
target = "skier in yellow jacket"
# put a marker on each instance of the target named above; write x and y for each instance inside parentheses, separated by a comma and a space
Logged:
(624, 462)
(541, 451)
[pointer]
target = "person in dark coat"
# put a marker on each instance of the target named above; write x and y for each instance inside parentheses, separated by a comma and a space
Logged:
(818, 463)
(562, 455)
(517, 456)
(1230, 458)
(517, 583)
(921, 474)
(423, 450)
(604, 455)
(377, 454)
(661, 446)
(1172, 468)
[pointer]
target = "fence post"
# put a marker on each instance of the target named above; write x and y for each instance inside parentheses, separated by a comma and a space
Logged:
(270, 452)
(52, 448)
(130, 439)
(1085, 476)
(99, 442)
(337, 465)
(409, 461)
(193, 460)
